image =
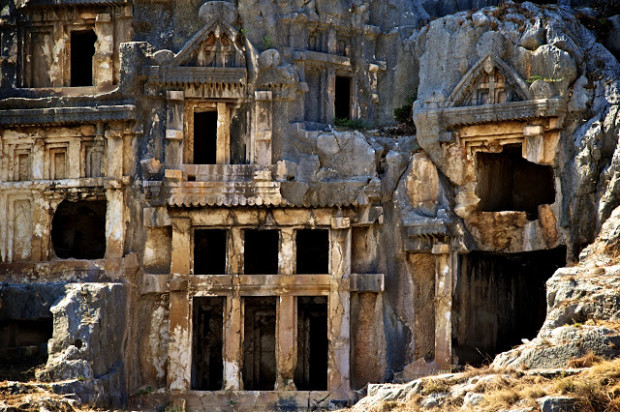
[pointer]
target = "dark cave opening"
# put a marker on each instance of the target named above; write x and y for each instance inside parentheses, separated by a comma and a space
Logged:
(508, 182)
(499, 300)
(23, 347)
(78, 229)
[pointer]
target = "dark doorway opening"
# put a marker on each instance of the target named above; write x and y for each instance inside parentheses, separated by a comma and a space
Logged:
(311, 370)
(342, 101)
(506, 181)
(312, 251)
(259, 343)
(78, 229)
(210, 252)
(205, 138)
(499, 300)
(23, 347)
(82, 53)
(261, 252)
(207, 343)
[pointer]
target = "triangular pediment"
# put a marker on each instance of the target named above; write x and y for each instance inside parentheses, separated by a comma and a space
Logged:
(218, 44)
(489, 81)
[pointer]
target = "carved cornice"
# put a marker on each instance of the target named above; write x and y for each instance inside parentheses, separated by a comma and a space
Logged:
(467, 115)
(67, 115)
(235, 76)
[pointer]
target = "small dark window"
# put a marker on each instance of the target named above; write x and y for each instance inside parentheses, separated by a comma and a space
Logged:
(207, 343)
(210, 252)
(311, 370)
(506, 181)
(312, 251)
(342, 101)
(261, 252)
(205, 138)
(82, 53)
(259, 343)
(78, 229)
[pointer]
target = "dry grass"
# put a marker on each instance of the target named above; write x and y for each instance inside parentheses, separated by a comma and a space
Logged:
(597, 388)
(586, 361)
(28, 397)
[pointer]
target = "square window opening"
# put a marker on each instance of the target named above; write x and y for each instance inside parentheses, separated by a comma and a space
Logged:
(261, 252)
(210, 252)
(312, 251)
(507, 181)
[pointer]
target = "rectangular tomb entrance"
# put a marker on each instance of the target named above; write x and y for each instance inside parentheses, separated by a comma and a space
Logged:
(499, 300)
(207, 340)
(311, 371)
(259, 343)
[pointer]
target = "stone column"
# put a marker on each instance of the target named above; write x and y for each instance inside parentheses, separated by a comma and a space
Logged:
(103, 63)
(114, 155)
(174, 129)
(443, 307)
(233, 350)
(233, 316)
(179, 349)
(286, 343)
(114, 223)
(222, 153)
(286, 257)
(41, 225)
(234, 256)
(263, 128)
(38, 163)
(330, 95)
(534, 146)
(339, 309)
(75, 163)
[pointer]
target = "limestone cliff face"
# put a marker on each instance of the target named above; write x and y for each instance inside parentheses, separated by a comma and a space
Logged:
(550, 50)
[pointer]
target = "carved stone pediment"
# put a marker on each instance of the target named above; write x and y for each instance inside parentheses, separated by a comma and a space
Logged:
(218, 44)
(490, 81)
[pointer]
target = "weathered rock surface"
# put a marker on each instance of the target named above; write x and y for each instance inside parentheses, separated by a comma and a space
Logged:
(583, 309)
(88, 343)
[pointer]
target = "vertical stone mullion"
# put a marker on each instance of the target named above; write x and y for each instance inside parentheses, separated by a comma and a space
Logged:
(443, 306)
(286, 257)
(223, 134)
(115, 223)
(286, 342)
(339, 309)
(179, 364)
(233, 350)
